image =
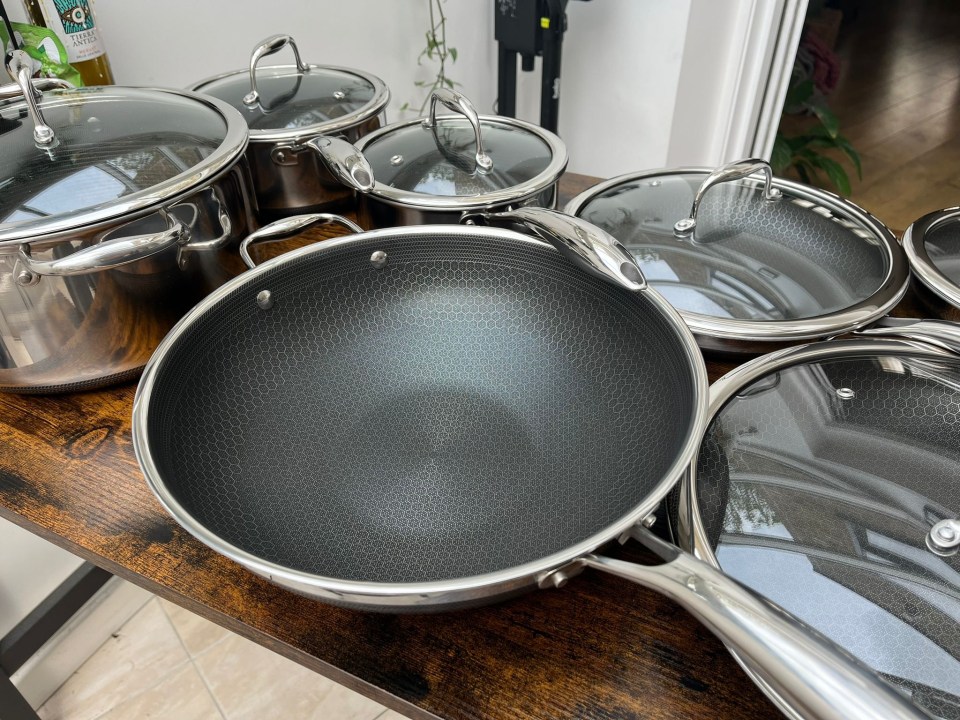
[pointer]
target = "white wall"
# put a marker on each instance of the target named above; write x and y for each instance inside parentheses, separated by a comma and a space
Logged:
(621, 58)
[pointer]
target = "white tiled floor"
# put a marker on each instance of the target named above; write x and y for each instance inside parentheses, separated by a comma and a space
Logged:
(170, 664)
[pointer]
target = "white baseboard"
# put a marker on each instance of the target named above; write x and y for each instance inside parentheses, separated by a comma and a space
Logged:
(105, 613)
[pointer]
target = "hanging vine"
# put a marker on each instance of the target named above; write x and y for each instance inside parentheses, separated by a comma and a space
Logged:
(438, 51)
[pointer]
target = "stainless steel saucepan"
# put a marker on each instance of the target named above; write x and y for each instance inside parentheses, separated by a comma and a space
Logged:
(296, 115)
(493, 412)
(119, 209)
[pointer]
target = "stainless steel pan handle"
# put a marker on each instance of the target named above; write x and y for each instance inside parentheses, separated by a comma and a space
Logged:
(345, 162)
(287, 227)
(727, 173)
(273, 44)
(103, 256)
(586, 245)
(940, 333)
(818, 679)
(458, 103)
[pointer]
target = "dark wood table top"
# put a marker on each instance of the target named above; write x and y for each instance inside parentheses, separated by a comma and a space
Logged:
(599, 648)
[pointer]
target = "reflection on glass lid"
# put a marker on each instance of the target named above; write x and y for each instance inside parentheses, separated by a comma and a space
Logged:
(441, 160)
(942, 243)
(290, 99)
(750, 258)
(111, 144)
(818, 485)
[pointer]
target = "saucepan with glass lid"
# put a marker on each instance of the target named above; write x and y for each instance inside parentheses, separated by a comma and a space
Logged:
(119, 209)
(752, 261)
(302, 118)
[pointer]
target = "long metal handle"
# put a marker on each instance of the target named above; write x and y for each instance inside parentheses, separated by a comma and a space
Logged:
(103, 256)
(21, 68)
(345, 162)
(728, 173)
(273, 44)
(13, 90)
(458, 103)
(287, 227)
(818, 679)
(940, 333)
(586, 245)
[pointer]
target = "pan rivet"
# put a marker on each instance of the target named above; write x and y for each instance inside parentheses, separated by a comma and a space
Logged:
(649, 520)
(264, 300)
(378, 259)
(396, 160)
(846, 394)
(339, 95)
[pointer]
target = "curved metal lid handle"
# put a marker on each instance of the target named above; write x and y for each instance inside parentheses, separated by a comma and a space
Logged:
(271, 45)
(727, 173)
(21, 69)
(287, 227)
(586, 245)
(458, 103)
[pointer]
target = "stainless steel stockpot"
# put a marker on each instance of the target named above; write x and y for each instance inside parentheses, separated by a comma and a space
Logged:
(932, 244)
(119, 209)
(827, 480)
(752, 264)
(287, 107)
(436, 169)
(493, 414)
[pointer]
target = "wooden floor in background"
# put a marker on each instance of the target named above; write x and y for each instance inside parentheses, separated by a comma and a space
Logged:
(898, 101)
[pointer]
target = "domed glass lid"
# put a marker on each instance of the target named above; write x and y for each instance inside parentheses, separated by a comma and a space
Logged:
(770, 260)
(113, 150)
(459, 161)
(820, 485)
(932, 244)
(281, 102)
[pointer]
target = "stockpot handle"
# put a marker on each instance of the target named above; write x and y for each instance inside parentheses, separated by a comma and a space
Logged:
(287, 227)
(727, 173)
(103, 256)
(273, 44)
(816, 678)
(345, 162)
(21, 67)
(458, 103)
(586, 245)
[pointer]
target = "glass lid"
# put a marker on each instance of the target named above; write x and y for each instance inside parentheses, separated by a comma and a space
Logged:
(113, 150)
(932, 244)
(280, 102)
(818, 485)
(456, 161)
(759, 259)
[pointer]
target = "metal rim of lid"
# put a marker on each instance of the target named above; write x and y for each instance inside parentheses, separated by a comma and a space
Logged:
(393, 594)
(381, 96)
(407, 198)
(915, 245)
(231, 148)
(693, 538)
(890, 292)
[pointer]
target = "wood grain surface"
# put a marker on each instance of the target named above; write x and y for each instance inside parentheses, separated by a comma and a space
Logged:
(599, 648)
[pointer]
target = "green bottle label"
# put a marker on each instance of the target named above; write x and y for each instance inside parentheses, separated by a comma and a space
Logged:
(72, 21)
(43, 45)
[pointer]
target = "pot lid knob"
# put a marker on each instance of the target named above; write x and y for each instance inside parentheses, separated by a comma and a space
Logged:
(21, 67)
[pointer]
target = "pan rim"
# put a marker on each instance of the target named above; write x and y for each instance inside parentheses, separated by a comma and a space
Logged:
(436, 592)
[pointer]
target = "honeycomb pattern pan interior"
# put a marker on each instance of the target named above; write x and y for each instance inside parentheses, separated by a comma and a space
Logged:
(473, 405)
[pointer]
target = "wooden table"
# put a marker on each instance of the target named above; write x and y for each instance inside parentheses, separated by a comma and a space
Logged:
(599, 648)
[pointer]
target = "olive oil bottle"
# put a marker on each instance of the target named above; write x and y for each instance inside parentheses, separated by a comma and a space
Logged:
(74, 23)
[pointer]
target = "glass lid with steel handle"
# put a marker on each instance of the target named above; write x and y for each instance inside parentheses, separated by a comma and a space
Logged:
(452, 157)
(285, 102)
(829, 481)
(78, 157)
(932, 244)
(750, 258)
